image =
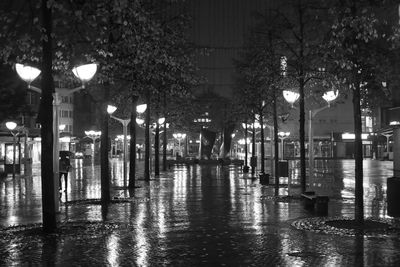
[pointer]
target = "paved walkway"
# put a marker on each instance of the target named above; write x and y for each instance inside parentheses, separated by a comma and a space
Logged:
(193, 216)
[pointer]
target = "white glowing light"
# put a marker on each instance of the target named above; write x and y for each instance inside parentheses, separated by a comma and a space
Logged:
(111, 109)
(141, 108)
(85, 72)
(11, 125)
(139, 121)
(291, 96)
(27, 73)
(161, 120)
(330, 95)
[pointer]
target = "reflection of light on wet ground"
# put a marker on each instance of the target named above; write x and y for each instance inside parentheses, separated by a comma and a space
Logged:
(161, 213)
(196, 215)
(233, 185)
(258, 215)
(113, 249)
(142, 246)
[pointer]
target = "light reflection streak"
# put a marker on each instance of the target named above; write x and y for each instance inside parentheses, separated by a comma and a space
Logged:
(112, 249)
(161, 217)
(180, 191)
(142, 246)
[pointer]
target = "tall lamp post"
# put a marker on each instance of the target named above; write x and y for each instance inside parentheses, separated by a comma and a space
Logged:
(93, 135)
(179, 137)
(245, 167)
(159, 122)
(28, 73)
(12, 126)
(328, 96)
(387, 143)
(125, 123)
(282, 136)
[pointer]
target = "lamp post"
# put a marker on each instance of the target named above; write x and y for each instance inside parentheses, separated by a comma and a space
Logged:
(93, 135)
(328, 96)
(28, 73)
(245, 167)
(125, 123)
(159, 122)
(387, 143)
(179, 137)
(11, 126)
(282, 136)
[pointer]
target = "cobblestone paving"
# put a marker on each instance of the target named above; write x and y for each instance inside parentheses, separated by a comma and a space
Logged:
(189, 216)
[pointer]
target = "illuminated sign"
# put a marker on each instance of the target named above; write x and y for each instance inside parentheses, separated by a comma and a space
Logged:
(350, 136)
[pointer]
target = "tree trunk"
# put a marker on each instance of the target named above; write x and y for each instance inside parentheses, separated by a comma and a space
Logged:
(105, 178)
(46, 121)
(147, 139)
(157, 150)
(253, 147)
(132, 149)
(165, 134)
(302, 137)
(359, 191)
(262, 143)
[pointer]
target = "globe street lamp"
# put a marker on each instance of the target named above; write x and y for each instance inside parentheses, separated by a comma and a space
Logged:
(179, 137)
(12, 126)
(28, 73)
(159, 122)
(328, 96)
(246, 140)
(387, 143)
(282, 136)
(291, 97)
(125, 123)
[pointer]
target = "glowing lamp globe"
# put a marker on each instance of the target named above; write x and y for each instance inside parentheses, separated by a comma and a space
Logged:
(161, 120)
(330, 96)
(27, 73)
(141, 108)
(139, 121)
(111, 109)
(11, 125)
(85, 72)
(291, 96)
(283, 134)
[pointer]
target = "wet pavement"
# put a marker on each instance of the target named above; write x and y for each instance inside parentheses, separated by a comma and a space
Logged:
(195, 216)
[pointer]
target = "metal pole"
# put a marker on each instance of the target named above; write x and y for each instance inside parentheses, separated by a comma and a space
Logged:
(94, 147)
(179, 145)
(14, 141)
(387, 143)
(125, 130)
(56, 139)
(245, 146)
(311, 146)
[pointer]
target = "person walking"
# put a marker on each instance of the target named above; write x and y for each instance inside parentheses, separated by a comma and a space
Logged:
(64, 168)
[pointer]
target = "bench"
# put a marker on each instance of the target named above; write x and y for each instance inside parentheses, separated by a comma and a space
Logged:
(314, 202)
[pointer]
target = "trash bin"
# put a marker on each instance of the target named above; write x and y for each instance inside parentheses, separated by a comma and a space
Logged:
(253, 161)
(321, 205)
(264, 178)
(283, 169)
(246, 169)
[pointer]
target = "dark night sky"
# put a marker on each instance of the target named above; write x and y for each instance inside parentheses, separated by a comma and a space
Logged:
(221, 25)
